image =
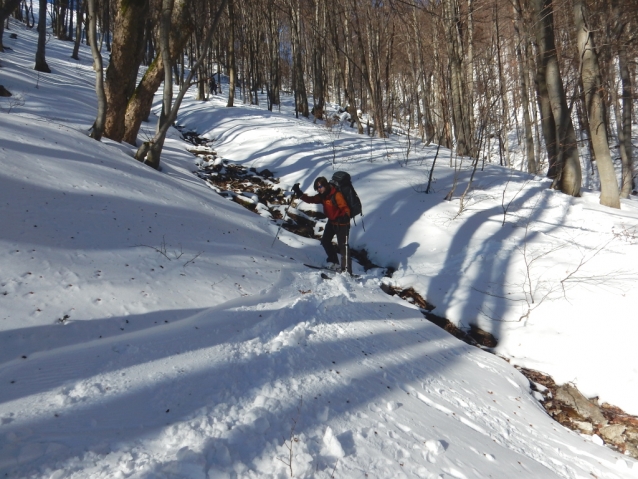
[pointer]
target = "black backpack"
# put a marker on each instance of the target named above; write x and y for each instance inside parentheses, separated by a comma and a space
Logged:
(342, 181)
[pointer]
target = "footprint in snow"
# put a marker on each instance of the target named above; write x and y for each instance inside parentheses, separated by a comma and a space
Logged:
(433, 449)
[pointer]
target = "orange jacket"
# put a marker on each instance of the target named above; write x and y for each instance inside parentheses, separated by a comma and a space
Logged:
(334, 206)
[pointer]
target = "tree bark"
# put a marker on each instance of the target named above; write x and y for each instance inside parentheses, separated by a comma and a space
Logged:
(232, 69)
(624, 125)
(458, 87)
(301, 97)
(566, 168)
(98, 125)
(522, 52)
(126, 56)
(7, 8)
(150, 151)
(140, 103)
(1, 36)
(81, 8)
(503, 91)
(318, 52)
(592, 86)
(40, 56)
(274, 72)
(165, 51)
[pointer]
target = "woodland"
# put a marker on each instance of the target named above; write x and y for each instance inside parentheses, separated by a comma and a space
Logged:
(551, 80)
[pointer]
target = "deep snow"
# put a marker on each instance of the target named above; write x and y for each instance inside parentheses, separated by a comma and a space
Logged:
(150, 328)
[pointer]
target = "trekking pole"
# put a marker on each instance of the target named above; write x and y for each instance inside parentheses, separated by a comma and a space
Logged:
(282, 222)
(348, 254)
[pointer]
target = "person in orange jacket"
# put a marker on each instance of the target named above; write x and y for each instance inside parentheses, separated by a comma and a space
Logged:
(338, 213)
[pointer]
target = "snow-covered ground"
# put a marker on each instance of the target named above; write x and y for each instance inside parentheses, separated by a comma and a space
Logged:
(150, 328)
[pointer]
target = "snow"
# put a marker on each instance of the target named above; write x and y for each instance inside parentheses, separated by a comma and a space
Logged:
(150, 328)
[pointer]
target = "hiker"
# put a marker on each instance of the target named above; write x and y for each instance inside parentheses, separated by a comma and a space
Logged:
(338, 213)
(212, 85)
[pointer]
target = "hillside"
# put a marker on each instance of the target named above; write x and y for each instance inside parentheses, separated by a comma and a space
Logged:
(151, 328)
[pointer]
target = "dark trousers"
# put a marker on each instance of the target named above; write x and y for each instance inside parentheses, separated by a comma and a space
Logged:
(342, 232)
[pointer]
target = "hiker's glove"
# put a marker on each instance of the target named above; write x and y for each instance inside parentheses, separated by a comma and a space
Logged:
(296, 190)
(342, 220)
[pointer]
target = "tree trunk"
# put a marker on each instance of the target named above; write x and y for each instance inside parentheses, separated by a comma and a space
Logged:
(7, 8)
(592, 86)
(81, 8)
(548, 124)
(369, 46)
(140, 103)
(318, 61)
(274, 70)
(621, 28)
(139, 106)
(1, 36)
(301, 97)
(60, 27)
(150, 151)
(106, 23)
(522, 52)
(502, 91)
(231, 55)
(165, 51)
(566, 167)
(40, 57)
(126, 56)
(346, 70)
(469, 81)
(458, 87)
(70, 32)
(98, 125)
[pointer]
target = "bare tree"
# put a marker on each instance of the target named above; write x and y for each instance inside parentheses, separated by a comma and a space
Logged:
(232, 67)
(7, 7)
(461, 107)
(150, 151)
(98, 126)
(40, 56)
(522, 53)
(126, 57)
(592, 86)
(621, 30)
(81, 9)
(564, 167)
(139, 105)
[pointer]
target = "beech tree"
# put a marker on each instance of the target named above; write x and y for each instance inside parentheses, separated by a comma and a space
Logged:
(139, 105)
(98, 126)
(40, 55)
(461, 104)
(150, 151)
(564, 161)
(232, 77)
(126, 57)
(489, 78)
(7, 7)
(622, 37)
(592, 86)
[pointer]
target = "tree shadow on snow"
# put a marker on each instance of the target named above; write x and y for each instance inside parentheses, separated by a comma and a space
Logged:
(231, 378)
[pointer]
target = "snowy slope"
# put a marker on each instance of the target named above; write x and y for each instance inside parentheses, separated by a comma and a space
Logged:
(150, 328)
(552, 276)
